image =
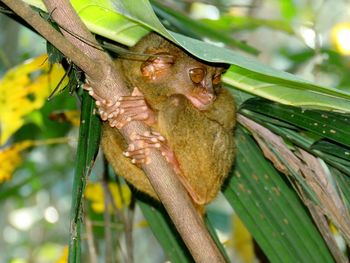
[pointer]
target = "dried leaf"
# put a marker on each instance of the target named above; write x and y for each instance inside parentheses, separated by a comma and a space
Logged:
(71, 116)
(321, 183)
(327, 203)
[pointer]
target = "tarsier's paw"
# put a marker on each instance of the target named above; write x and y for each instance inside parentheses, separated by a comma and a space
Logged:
(105, 107)
(138, 150)
(124, 110)
(132, 108)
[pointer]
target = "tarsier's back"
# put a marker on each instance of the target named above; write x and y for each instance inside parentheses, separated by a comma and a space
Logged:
(193, 112)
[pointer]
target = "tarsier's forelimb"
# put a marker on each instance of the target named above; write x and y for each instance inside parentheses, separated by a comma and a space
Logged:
(124, 110)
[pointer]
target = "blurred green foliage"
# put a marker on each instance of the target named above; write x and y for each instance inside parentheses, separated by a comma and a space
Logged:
(290, 35)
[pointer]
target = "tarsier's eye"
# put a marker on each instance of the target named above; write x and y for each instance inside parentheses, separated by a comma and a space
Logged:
(217, 79)
(197, 75)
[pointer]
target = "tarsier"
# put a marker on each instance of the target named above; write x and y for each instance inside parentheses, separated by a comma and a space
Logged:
(191, 117)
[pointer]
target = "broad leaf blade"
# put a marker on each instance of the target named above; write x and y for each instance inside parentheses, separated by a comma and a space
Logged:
(330, 125)
(199, 29)
(271, 210)
(229, 23)
(333, 149)
(343, 182)
(101, 19)
(296, 93)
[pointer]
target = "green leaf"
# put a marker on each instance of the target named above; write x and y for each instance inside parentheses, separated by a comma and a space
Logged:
(101, 19)
(335, 162)
(330, 125)
(166, 233)
(105, 18)
(288, 9)
(288, 92)
(234, 23)
(215, 237)
(199, 29)
(343, 182)
(271, 210)
(88, 145)
(333, 149)
(334, 154)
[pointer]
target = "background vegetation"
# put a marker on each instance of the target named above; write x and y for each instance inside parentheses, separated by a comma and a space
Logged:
(291, 192)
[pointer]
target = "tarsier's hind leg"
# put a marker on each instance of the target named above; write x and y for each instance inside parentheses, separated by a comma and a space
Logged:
(113, 146)
(138, 149)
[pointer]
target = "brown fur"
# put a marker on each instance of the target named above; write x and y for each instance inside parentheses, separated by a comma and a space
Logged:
(202, 140)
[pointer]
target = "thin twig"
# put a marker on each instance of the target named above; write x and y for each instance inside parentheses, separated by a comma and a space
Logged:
(90, 240)
(107, 222)
(129, 230)
(128, 257)
(127, 219)
(119, 214)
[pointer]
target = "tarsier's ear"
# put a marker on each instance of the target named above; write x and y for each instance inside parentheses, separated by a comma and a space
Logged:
(157, 66)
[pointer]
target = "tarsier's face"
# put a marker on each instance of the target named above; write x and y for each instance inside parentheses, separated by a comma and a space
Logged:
(205, 82)
(183, 74)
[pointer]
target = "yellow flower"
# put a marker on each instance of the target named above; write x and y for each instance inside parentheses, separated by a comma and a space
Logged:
(340, 38)
(25, 89)
(64, 256)
(94, 193)
(242, 241)
(10, 159)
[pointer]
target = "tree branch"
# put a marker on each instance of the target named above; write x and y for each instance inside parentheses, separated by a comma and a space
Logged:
(107, 83)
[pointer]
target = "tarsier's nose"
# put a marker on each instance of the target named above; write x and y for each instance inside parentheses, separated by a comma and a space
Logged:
(208, 91)
(211, 96)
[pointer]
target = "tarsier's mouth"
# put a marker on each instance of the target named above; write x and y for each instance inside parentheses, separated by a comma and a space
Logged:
(202, 100)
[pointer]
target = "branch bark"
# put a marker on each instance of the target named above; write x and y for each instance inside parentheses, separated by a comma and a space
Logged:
(102, 75)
